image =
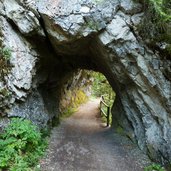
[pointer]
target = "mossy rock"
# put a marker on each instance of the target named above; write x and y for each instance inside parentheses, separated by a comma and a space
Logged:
(77, 98)
(120, 130)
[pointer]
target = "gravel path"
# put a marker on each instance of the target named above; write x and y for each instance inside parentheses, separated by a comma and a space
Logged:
(82, 143)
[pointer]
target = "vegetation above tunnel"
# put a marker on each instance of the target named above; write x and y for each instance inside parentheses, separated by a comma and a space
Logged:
(156, 25)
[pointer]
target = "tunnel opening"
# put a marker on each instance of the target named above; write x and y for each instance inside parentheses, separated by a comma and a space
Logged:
(68, 59)
(100, 37)
(85, 85)
(55, 89)
(122, 66)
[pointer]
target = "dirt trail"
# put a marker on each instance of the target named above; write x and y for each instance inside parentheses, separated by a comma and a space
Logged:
(81, 143)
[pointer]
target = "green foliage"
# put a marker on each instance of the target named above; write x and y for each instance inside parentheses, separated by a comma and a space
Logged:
(104, 120)
(68, 112)
(92, 25)
(21, 146)
(78, 97)
(154, 167)
(4, 92)
(162, 8)
(156, 25)
(5, 53)
(101, 87)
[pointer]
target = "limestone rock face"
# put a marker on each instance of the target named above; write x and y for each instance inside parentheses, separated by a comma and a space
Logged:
(16, 23)
(22, 14)
(63, 35)
(22, 62)
(75, 91)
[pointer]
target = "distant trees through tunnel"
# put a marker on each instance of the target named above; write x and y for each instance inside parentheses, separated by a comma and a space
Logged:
(81, 86)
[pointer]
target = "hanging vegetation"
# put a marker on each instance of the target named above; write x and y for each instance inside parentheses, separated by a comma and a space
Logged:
(101, 86)
(156, 25)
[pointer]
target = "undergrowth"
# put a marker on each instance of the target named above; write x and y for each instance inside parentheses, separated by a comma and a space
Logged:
(80, 98)
(5, 56)
(21, 146)
(154, 167)
(156, 24)
(68, 112)
(77, 98)
(5, 53)
(101, 86)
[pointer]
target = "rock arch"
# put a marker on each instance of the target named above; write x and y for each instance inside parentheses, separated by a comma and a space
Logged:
(51, 38)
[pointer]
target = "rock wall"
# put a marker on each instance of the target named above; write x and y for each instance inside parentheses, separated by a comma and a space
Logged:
(50, 39)
(75, 90)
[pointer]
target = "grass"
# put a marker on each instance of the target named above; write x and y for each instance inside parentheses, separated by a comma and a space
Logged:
(68, 112)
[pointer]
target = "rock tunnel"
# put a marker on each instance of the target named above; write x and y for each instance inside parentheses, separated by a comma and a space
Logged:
(49, 40)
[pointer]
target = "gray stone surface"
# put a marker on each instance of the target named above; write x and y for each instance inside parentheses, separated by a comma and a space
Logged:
(18, 83)
(33, 109)
(92, 34)
(21, 14)
(22, 62)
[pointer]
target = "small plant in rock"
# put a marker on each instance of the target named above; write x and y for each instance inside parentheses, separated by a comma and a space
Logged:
(98, 1)
(21, 146)
(4, 92)
(5, 53)
(5, 56)
(154, 167)
(92, 25)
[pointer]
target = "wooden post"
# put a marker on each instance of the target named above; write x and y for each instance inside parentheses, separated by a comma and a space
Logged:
(100, 108)
(108, 116)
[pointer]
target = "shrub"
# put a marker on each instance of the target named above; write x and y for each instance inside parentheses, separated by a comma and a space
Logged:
(21, 146)
(80, 98)
(154, 167)
(77, 98)
(160, 7)
(156, 24)
(5, 53)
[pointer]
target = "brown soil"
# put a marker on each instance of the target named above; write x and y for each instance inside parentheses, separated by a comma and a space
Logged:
(82, 143)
